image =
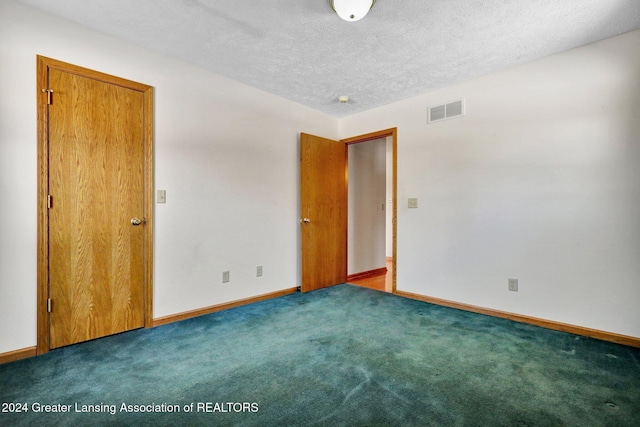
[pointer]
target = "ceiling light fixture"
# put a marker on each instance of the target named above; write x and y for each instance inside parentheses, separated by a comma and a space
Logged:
(352, 10)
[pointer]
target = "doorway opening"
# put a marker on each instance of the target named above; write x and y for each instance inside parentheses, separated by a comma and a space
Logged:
(372, 213)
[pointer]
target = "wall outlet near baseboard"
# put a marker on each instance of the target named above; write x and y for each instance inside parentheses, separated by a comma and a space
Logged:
(225, 276)
(513, 285)
(259, 271)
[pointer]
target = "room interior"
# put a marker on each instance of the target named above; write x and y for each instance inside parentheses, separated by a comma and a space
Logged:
(537, 181)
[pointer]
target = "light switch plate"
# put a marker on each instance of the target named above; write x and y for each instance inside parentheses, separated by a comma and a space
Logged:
(161, 196)
(413, 202)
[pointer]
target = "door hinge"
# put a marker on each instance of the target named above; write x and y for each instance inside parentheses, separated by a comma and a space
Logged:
(48, 92)
(49, 305)
(49, 201)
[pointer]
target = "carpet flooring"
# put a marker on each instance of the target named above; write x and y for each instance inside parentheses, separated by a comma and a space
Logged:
(341, 356)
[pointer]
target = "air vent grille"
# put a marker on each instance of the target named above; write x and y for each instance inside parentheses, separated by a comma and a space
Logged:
(445, 111)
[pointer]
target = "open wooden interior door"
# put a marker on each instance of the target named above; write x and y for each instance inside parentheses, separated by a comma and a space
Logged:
(323, 210)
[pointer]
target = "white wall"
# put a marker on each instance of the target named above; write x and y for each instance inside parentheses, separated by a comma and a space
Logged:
(227, 154)
(367, 192)
(540, 181)
(389, 198)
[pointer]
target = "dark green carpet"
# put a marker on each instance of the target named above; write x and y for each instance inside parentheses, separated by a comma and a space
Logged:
(339, 356)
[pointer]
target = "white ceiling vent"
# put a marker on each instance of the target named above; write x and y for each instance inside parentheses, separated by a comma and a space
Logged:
(445, 111)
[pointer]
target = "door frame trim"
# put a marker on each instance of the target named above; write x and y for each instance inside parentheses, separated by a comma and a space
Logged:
(43, 65)
(393, 133)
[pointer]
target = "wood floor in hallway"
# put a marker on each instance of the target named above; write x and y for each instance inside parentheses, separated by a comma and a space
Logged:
(382, 282)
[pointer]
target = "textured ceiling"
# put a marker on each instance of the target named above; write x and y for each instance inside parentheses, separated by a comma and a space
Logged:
(301, 50)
